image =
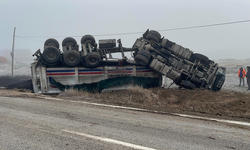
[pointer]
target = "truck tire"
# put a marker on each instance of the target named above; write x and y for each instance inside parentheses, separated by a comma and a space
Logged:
(43, 62)
(51, 42)
(218, 83)
(141, 59)
(199, 56)
(71, 58)
(88, 37)
(187, 84)
(153, 37)
(69, 40)
(155, 33)
(92, 60)
(141, 52)
(51, 55)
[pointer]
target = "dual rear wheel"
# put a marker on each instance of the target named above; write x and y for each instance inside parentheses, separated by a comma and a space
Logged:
(51, 56)
(71, 57)
(154, 36)
(142, 58)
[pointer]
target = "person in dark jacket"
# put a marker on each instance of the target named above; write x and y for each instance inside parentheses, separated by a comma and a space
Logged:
(241, 75)
(248, 77)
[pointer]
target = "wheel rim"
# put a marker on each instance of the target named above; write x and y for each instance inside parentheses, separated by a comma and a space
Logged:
(92, 60)
(51, 55)
(72, 59)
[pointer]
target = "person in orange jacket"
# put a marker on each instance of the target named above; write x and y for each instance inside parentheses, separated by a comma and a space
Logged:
(241, 75)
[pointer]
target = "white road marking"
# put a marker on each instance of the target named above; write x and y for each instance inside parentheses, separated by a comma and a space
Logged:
(97, 104)
(110, 140)
(146, 110)
(214, 119)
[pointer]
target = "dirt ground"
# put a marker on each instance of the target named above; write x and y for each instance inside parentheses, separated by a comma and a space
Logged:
(222, 104)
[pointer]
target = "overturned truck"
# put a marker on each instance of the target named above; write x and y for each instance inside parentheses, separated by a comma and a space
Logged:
(93, 68)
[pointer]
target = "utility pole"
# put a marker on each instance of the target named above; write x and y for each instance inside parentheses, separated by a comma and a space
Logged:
(12, 53)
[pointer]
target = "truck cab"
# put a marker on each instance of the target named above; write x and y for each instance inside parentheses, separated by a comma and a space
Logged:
(186, 68)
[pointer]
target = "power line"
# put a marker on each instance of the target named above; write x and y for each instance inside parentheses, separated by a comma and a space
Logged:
(171, 29)
(209, 25)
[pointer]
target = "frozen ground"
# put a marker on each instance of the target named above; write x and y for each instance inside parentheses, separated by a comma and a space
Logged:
(22, 72)
(231, 83)
(232, 80)
(20, 69)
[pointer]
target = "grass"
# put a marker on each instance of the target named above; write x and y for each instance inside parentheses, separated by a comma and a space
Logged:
(134, 94)
(222, 103)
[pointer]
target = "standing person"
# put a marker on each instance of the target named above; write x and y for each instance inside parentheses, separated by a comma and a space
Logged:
(241, 75)
(248, 77)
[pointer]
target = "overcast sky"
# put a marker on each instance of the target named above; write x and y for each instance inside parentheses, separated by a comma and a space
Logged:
(38, 20)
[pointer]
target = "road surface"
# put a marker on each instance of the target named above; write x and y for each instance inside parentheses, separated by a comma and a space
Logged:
(28, 123)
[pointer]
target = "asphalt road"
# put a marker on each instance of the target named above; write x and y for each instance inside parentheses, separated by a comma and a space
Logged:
(53, 124)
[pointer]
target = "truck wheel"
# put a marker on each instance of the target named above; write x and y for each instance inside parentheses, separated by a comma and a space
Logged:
(153, 37)
(51, 55)
(199, 56)
(43, 62)
(51, 42)
(92, 60)
(155, 33)
(71, 58)
(86, 38)
(187, 84)
(141, 52)
(69, 40)
(218, 83)
(141, 59)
